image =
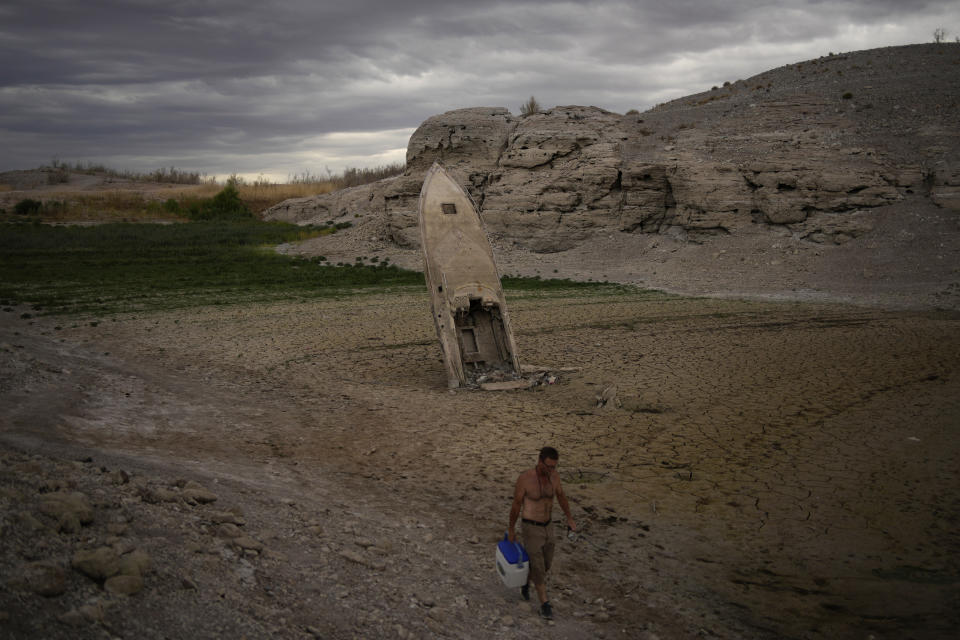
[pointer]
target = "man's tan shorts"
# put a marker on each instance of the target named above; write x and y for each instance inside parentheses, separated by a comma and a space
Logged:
(538, 542)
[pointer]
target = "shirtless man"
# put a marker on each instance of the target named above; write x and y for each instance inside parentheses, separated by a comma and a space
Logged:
(533, 499)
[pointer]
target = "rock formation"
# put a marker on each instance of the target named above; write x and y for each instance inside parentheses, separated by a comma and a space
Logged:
(809, 149)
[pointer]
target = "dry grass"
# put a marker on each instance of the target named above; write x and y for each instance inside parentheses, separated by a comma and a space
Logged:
(106, 206)
(143, 196)
(260, 196)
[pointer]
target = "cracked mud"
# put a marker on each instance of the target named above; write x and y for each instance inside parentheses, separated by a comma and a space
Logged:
(774, 470)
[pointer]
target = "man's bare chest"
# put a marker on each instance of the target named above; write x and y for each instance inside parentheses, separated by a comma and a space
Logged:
(538, 488)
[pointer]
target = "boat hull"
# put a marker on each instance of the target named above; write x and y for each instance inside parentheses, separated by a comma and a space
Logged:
(466, 298)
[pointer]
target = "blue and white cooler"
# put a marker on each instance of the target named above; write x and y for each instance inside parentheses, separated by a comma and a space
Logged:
(513, 563)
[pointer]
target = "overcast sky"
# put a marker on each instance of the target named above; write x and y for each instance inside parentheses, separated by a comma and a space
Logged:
(279, 88)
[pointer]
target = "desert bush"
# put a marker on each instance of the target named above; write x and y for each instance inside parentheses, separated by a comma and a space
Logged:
(530, 107)
(170, 175)
(28, 206)
(308, 183)
(847, 95)
(173, 175)
(226, 205)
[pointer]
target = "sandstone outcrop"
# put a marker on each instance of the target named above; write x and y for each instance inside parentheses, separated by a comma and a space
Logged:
(808, 149)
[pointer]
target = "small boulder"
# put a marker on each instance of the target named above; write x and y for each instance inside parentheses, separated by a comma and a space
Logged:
(246, 542)
(136, 563)
(197, 492)
(70, 509)
(232, 517)
(99, 564)
(124, 585)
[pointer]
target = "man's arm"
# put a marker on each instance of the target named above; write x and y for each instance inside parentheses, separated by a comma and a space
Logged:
(515, 508)
(562, 501)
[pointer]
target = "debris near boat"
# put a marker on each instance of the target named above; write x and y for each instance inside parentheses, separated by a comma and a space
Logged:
(527, 380)
(466, 298)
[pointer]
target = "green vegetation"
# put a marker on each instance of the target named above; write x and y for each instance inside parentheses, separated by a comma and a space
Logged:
(121, 267)
(225, 255)
(28, 207)
(226, 205)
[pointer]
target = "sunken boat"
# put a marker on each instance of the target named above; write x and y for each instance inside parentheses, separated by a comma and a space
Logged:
(469, 310)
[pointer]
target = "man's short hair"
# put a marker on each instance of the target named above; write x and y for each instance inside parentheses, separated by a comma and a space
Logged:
(549, 452)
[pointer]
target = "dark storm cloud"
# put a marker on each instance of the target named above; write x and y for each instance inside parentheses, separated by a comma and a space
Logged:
(259, 86)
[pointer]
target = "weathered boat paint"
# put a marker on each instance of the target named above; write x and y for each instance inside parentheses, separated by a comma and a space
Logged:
(466, 299)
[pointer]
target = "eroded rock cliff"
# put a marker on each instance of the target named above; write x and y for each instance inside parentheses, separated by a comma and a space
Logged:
(810, 149)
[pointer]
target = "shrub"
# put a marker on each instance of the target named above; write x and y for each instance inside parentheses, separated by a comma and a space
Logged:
(226, 205)
(27, 207)
(847, 95)
(530, 107)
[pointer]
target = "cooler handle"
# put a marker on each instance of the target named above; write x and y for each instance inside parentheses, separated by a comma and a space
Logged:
(506, 537)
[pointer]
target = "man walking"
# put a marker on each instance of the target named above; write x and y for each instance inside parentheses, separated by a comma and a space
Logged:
(533, 500)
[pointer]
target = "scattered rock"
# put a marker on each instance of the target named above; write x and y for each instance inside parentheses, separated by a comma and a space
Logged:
(70, 509)
(84, 615)
(194, 491)
(607, 399)
(231, 517)
(246, 542)
(229, 530)
(124, 585)
(99, 564)
(136, 563)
